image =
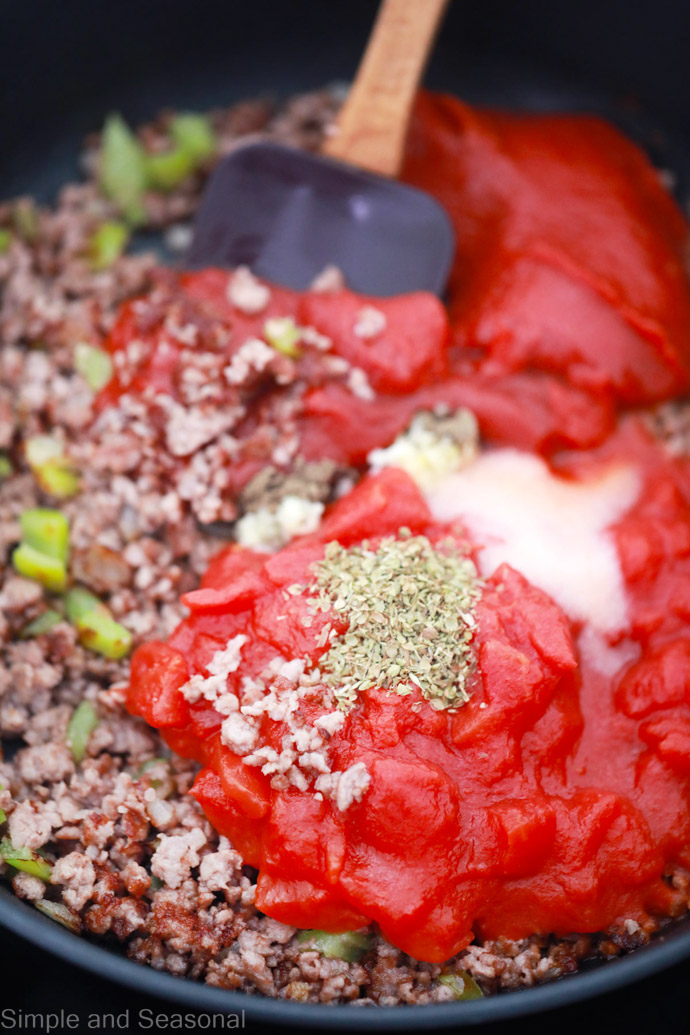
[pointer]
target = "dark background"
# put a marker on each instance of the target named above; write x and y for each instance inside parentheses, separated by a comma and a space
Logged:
(64, 65)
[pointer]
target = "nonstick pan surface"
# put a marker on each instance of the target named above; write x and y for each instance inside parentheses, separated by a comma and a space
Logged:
(65, 66)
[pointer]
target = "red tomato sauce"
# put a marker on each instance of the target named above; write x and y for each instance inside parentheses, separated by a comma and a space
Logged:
(554, 801)
(557, 799)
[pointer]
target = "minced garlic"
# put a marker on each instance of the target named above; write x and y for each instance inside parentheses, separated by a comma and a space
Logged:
(410, 608)
(268, 529)
(432, 447)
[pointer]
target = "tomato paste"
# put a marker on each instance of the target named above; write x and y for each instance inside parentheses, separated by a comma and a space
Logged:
(571, 252)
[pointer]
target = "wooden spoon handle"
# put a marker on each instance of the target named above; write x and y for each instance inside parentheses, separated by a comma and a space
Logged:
(372, 126)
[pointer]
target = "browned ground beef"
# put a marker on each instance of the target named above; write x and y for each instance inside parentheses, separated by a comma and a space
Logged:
(133, 857)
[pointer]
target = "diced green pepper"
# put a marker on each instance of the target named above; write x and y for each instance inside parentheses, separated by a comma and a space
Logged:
(156, 884)
(168, 169)
(123, 169)
(94, 365)
(349, 946)
(59, 912)
(25, 219)
(107, 244)
(3, 817)
(57, 479)
(149, 764)
(5, 467)
(80, 602)
(101, 633)
(51, 572)
(462, 985)
(24, 859)
(195, 142)
(82, 724)
(47, 531)
(40, 448)
(5, 240)
(195, 136)
(51, 469)
(95, 625)
(283, 334)
(40, 625)
(163, 785)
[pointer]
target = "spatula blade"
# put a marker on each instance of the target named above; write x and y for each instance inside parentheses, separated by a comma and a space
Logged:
(287, 215)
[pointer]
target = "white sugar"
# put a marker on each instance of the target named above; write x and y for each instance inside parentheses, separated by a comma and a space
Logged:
(597, 653)
(551, 529)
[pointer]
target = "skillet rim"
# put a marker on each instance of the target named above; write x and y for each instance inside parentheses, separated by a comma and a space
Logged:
(670, 947)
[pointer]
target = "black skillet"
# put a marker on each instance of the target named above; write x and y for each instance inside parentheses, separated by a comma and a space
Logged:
(65, 65)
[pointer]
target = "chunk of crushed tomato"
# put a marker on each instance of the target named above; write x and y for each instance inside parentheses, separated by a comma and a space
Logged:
(474, 820)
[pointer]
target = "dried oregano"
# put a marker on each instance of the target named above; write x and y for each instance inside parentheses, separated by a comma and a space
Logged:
(410, 611)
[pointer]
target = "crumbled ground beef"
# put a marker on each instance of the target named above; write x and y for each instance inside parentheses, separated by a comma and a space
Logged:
(133, 857)
(311, 481)
(231, 415)
(671, 423)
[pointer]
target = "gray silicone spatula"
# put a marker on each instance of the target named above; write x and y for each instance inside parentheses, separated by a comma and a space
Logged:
(287, 214)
